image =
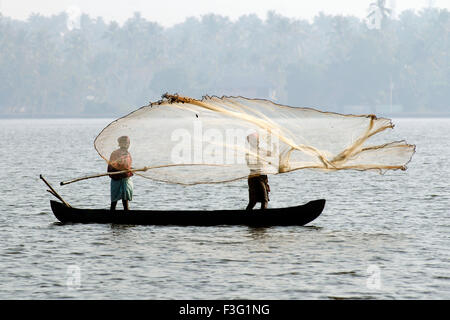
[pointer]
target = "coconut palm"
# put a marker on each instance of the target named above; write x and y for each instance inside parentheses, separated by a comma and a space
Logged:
(378, 10)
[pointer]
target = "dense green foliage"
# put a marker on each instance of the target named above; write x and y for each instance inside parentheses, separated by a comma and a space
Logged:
(332, 63)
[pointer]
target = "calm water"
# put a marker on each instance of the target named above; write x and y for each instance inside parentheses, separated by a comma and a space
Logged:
(379, 237)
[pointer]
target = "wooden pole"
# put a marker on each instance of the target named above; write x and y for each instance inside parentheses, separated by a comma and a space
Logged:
(136, 170)
(102, 175)
(50, 191)
(53, 192)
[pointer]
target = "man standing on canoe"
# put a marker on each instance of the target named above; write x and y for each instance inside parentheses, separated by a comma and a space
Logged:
(258, 183)
(121, 184)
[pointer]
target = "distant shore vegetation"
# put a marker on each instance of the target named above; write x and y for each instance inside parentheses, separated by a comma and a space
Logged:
(55, 66)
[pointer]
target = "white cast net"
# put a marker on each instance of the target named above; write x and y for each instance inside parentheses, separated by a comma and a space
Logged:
(187, 141)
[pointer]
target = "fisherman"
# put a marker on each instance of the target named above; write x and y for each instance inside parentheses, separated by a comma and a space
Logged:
(121, 184)
(258, 183)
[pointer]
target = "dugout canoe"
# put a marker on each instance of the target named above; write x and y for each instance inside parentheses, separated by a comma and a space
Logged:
(290, 216)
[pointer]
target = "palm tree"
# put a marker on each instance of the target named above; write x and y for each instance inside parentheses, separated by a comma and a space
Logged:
(378, 13)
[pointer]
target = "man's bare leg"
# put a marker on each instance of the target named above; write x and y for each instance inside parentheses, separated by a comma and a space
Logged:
(126, 207)
(264, 205)
(113, 205)
(250, 206)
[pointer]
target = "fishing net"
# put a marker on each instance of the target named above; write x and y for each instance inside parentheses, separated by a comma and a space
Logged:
(187, 141)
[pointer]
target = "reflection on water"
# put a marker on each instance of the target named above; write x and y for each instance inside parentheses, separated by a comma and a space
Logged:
(258, 232)
(120, 231)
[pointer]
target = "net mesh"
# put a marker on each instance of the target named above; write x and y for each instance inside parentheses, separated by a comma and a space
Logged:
(188, 141)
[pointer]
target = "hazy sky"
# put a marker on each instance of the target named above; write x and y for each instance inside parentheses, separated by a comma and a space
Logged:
(170, 12)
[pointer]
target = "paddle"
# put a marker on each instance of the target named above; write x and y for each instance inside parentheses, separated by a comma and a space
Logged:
(53, 192)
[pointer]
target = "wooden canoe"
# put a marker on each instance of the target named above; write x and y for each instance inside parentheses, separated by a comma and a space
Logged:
(290, 216)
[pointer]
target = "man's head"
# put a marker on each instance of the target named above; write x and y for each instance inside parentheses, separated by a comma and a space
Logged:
(124, 142)
(253, 139)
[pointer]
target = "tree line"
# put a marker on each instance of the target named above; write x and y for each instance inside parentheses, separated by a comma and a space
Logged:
(335, 63)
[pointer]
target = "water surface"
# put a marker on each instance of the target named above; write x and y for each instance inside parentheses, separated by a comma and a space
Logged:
(395, 226)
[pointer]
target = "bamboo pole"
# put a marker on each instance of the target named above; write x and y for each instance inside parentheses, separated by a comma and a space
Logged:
(53, 192)
(62, 183)
(102, 175)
